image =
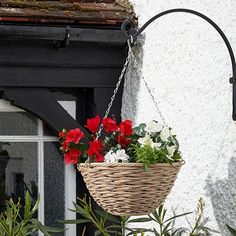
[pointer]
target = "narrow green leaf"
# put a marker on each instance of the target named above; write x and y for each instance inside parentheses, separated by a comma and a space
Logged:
(160, 209)
(36, 206)
(166, 228)
(156, 233)
(108, 216)
(78, 221)
(140, 220)
(40, 227)
(177, 216)
(97, 232)
(79, 209)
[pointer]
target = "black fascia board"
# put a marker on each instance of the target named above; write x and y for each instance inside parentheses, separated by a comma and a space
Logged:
(93, 58)
(58, 33)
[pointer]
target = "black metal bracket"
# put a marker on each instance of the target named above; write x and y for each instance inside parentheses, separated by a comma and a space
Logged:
(232, 80)
(65, 42)
(132, 33)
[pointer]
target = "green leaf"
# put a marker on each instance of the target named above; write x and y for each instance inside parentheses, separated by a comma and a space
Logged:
(179, 232)
(79, 209)
(108, 216)
(166, 228)
(139, 130)
(36, 206)
(45, 229)
(139, 220)
(177, 216)
(53, 229)
(27, 205)
(40, 227)
(142, 230)
(78, 221)
(156, 233)
(97, 232)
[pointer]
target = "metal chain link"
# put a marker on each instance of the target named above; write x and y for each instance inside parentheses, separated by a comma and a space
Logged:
(122, 74)
(148, 89)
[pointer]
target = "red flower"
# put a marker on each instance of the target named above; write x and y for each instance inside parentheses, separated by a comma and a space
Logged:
(126, 127)
(72, 156)
(93, 124)
(123, 141)
(95, 148)
(65, 145)
(99, 158)
(109, 125)
(62, 133)
(74, 135)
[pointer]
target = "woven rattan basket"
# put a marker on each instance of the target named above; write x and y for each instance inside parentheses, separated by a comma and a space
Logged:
(125, 189)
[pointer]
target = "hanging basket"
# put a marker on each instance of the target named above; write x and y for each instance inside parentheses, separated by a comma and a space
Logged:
(125, 189)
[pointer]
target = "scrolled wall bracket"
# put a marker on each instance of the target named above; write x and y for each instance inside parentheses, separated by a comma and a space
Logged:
(130, 29)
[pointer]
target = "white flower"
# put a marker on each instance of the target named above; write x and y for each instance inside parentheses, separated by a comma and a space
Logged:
(121, 156)
(156, 145)
(165, 134)
(171, 150)
(146, 140)
(110, 157)
(153, 127)
(118, 156)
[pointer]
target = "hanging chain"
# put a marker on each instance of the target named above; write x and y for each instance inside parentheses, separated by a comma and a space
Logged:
(149, 90)
(154, 101)
(122, 74)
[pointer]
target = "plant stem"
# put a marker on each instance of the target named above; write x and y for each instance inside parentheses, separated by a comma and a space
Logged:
(83, 233)
(200, 214)
(161, 229)
(123, 223)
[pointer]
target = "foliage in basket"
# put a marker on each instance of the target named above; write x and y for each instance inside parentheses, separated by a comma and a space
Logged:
(110, 142)
(162, 226)
(18, 220)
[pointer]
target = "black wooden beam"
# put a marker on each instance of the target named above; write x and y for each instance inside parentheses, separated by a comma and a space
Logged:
(41, 103)
(56, 77)
(58, 33)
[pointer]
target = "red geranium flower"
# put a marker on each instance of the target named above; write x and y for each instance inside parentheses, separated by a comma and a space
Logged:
(123, 141)
(93, 124)
(74, 135)
(65, 146)
(95, 150)
(72, 156)
(109, 125)
(126, 127)
(99, 158)
(62, 133)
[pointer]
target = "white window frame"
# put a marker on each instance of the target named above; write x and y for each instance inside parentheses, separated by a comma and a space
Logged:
(70, 172)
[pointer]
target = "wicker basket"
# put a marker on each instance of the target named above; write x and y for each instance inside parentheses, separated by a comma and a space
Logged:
(125, 189)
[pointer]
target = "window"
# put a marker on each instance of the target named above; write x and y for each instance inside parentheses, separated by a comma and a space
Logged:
(30, 159)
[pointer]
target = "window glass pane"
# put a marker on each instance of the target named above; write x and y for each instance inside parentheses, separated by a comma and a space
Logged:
(18, 123)
(18, 171)
(54, 186)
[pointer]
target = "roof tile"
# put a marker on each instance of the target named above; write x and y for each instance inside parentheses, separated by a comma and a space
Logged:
(108, 12)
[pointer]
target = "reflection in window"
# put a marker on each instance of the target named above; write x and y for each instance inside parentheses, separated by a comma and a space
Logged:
(18, 170)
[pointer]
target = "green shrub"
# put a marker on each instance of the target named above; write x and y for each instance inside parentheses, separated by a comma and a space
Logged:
(17, 220)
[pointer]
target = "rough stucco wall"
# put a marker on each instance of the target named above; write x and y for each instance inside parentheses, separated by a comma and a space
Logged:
(188, 67)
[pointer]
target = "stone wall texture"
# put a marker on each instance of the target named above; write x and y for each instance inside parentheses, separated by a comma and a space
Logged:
(187, 66)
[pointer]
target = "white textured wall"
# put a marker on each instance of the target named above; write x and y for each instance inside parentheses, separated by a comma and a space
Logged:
(188, 67)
